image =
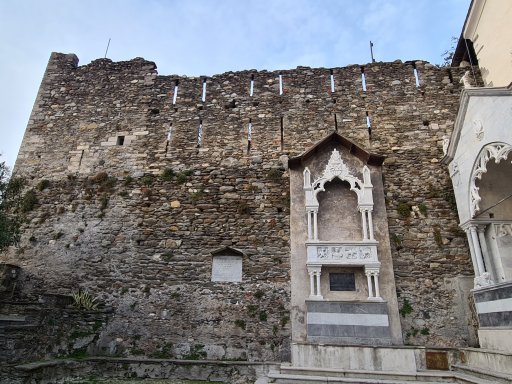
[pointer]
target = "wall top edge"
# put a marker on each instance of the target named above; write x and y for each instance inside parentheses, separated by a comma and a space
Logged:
(71, 58)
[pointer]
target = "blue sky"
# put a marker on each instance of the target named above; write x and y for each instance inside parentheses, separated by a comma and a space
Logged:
(206, 37)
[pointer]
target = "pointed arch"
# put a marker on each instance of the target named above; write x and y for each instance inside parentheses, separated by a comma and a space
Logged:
(497, 151)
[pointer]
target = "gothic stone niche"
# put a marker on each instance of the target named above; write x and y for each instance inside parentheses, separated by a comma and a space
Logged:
(227, 265)
(338, 231)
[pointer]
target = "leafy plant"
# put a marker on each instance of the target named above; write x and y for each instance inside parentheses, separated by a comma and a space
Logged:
(423, 209)
(84, 300)
(397, 241)
(275, 174)
(167, 174)
(147, 180)
(29, 201)
(128, 180)
(43, 184)
(406, 308)
(10, 201)
(403, 209)
(181, 178)
(437, 237)
(240, 323)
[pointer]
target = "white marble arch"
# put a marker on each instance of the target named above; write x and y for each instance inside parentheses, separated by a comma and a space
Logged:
(493, 151)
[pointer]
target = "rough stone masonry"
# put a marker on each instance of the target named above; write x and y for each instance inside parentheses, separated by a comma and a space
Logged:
(139, 181)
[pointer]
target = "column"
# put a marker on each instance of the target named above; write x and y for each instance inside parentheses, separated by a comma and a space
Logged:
(315, 224)
(365, 230)
(496, 260)
(370, 225)
(318, 290)
(472, 252)
(310, 231)
(311, 284)
(376, 279)
(483, 247)
(478, 252)
(370, 288)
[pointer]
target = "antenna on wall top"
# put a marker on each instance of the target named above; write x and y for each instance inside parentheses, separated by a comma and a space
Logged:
(108, 45)
(371, 51)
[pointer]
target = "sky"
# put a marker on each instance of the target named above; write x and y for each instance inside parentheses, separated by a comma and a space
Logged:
(207, 37)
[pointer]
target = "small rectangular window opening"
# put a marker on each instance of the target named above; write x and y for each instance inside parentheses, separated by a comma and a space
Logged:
(416, 75)
(332, 81)
(120, 140)
(200, 134)
(368, 123)
(251, 89)
(280, 84)
(282, 133)
(249, 136)
(175, 95)
(363, 79)
(203, 97)
(335, 123)
(169, 137)
(169, 132)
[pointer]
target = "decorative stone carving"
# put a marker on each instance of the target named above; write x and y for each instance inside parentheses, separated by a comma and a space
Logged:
(503, 230)
(454, 173)
(446, 143)
(484, 280)
(363, 189)
(466, 80)
(479, 129)
(335, 167)
(496, 151)
(342, 253)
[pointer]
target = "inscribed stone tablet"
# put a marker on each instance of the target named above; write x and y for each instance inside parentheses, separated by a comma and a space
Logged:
(227, 268)
(342, 282)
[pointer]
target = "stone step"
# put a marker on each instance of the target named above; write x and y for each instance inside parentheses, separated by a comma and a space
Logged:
(281, 378)
(289, 374)
(426, 376)
(491, 376)
(12, 318)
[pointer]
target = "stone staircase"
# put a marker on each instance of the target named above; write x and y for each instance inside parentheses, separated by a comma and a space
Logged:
(295, 375)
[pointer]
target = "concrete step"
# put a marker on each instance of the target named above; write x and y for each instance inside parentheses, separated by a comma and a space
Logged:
(483, 374)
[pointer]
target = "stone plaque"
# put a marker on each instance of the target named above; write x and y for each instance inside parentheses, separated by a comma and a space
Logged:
(437, 360)
(342, 282)
(227, 268)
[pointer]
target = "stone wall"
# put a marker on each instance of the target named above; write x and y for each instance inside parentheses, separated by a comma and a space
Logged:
(131, 207)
